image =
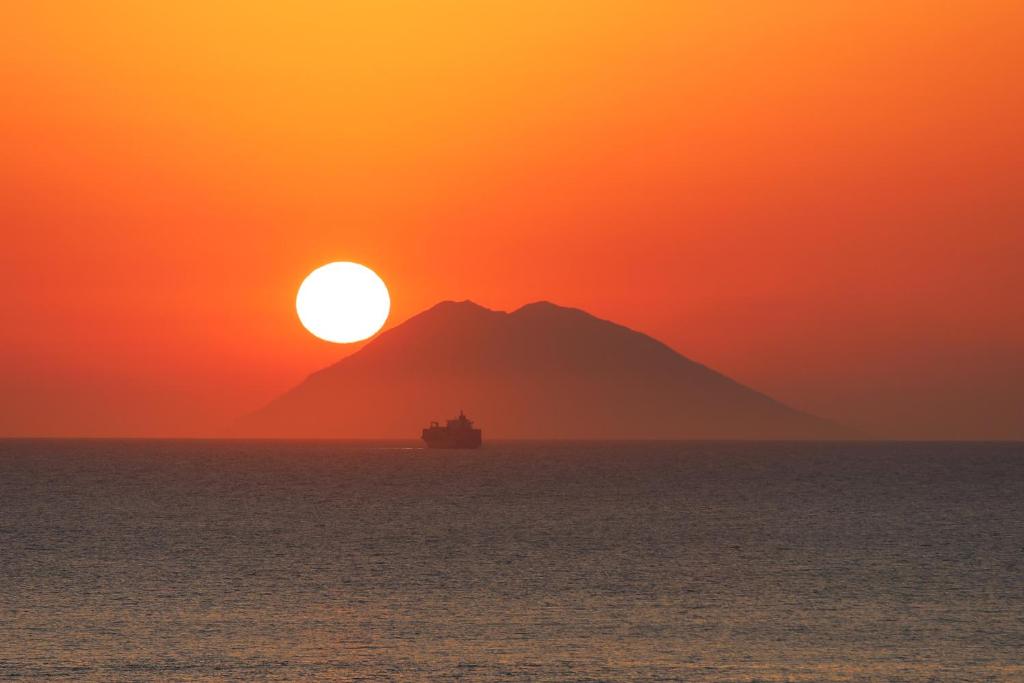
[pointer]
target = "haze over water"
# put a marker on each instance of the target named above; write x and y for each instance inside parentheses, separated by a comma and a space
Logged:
(192, 560)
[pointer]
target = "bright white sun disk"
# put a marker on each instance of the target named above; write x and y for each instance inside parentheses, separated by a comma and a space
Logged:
(343, 302)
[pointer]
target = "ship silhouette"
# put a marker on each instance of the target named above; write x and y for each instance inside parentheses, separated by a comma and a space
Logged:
(457, 433)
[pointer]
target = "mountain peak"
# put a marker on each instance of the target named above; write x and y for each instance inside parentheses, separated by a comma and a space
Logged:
(539, 305)
(445, 312)
(464, 305)
(543, 308)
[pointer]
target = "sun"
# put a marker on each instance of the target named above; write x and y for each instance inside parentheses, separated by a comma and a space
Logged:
(343, 302)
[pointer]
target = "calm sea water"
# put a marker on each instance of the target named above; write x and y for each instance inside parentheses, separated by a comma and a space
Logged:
(191, 561)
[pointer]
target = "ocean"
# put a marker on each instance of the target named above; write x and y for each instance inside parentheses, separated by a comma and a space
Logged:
(128, 560)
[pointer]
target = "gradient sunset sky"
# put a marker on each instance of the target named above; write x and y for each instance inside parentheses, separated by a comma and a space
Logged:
(823, 200)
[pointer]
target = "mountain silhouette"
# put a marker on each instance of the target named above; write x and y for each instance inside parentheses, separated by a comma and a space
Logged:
(542, 371)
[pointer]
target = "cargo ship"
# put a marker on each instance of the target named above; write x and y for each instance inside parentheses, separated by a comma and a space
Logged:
(458, 433)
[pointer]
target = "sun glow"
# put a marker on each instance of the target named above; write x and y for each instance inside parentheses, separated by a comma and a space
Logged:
(343, 302)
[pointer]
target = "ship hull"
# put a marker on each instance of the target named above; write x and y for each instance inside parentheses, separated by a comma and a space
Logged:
(442, 438)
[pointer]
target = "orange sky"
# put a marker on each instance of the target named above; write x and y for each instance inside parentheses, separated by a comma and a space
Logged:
(820, 199)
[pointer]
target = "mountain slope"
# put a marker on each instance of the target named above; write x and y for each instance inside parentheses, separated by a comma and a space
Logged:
(542, 371)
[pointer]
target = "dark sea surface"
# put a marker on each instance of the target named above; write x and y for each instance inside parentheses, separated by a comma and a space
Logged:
(230, 560)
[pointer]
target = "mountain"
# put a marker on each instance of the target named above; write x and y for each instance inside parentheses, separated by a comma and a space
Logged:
(542, 371)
